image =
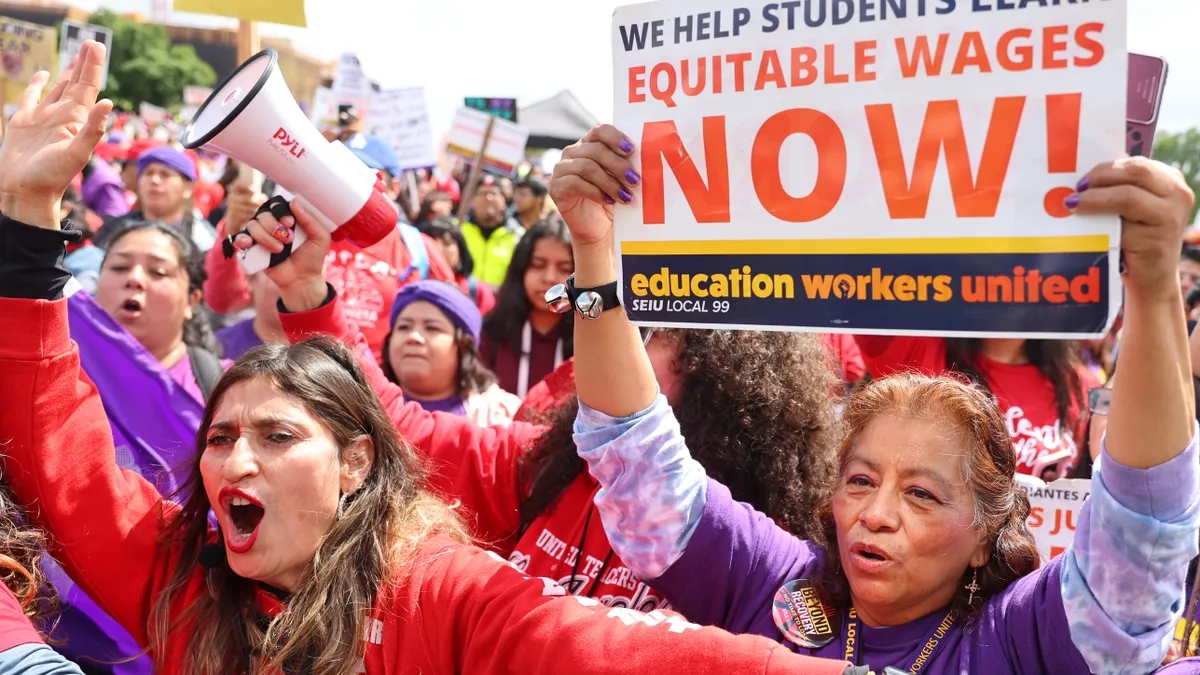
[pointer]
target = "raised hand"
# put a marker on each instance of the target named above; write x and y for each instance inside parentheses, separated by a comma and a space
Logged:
(48, 143)
(593, 175)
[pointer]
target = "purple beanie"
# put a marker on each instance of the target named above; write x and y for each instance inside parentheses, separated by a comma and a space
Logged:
(456, 305)
(170, 158)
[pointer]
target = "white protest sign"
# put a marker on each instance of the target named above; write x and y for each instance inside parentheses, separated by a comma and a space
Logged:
(324, 108)
(350, 85)
(1054, 512)
(401, 118)
(505, 150)
(74, 34)
(151, 114)
(869, 167)
(194, 96)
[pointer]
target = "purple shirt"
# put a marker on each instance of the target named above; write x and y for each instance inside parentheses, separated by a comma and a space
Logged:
(1109, 604)
(453, 405)
(104, 192)
(238, 339)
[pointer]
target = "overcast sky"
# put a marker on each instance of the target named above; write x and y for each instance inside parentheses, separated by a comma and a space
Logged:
(532, 49)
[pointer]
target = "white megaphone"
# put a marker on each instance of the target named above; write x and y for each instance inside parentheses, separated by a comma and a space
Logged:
(253, 118)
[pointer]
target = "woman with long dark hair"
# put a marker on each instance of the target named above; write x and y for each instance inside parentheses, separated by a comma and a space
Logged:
(926, 563)
(523, 341)
(329, 556)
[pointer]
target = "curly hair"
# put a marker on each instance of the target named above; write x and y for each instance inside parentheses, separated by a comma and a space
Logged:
(21, 549)
(1001, 506)
(757, 410)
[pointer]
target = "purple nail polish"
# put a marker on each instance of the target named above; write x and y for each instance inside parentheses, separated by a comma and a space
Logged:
(626, 146)
(1083, 184)
(632, 177)
(609, 200)
(625, 195)
(1071, 202)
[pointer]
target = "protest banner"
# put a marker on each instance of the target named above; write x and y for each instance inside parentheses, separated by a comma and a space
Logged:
(194, 96)
(74, 34)
(505, 145)
(401, 117)
(151, 114)
(25, 48)
(350, 85)
(287, 12)
(323, 111)
(869, 167)
(504, 108)
(1054, 512)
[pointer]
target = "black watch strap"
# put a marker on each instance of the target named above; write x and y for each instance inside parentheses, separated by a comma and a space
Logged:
(589, 302)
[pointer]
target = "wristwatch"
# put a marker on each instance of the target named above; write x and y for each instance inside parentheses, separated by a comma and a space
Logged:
(589, 302)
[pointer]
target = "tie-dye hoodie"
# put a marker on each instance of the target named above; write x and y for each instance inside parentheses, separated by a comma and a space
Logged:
(1107, 605)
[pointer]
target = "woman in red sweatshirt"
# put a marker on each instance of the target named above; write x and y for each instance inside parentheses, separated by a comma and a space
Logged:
(330, 558)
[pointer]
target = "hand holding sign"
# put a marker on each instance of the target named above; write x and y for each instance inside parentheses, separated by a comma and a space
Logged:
(1155, 204)
(594, 174)
(48, 143)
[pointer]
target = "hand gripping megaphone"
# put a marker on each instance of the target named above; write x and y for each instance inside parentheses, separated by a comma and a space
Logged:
(252, 117)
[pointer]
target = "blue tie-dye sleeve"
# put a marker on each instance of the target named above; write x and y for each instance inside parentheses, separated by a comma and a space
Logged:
(650, 506)
(1123, 578)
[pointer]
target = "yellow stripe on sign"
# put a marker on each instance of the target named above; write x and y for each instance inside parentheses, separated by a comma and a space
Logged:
(949, 245)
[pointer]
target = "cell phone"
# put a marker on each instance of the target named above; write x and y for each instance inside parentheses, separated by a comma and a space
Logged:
(1147, 79)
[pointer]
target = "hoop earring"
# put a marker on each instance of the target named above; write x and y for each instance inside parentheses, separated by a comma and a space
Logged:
(341, 508)
(973, 586)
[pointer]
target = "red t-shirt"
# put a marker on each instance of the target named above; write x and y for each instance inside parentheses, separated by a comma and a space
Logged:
(15, 629)
(848, 360)
(1025, 395)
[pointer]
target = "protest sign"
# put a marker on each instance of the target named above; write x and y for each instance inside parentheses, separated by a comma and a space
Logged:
(881, 167)
(151, 114)
(74, 34)
(401, 118)
(25, 48)
(350, 85)
(194, 96)
(1054, 512)
(287, 12)
(505, 148)
(323, 112)
(504, 108)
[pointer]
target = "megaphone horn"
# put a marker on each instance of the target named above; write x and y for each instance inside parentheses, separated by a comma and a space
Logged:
(252, 117)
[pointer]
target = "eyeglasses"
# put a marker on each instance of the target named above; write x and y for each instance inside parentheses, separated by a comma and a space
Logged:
(1098, 399)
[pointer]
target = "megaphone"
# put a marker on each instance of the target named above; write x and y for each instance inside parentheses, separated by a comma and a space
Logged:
(252, 117)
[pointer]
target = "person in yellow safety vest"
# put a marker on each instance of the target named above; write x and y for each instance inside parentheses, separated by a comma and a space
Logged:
(490, 234)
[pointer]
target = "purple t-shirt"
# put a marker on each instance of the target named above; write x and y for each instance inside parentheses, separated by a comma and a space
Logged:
(1109, 603)
(453, 405)
(1023, 630)
(239, 339)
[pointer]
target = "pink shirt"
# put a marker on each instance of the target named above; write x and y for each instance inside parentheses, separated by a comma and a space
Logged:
(182, 374)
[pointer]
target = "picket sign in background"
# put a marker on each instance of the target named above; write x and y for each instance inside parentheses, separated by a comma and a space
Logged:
(964, 229)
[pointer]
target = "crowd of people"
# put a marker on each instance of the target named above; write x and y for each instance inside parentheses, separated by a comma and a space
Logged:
(399, 459)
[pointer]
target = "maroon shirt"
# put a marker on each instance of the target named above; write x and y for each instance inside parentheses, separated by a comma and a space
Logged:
(545, 354)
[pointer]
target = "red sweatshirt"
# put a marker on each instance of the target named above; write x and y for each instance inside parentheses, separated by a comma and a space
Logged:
(456, 609)
(1025, 395)
(15, 628)
(367, 277)
(479, 467)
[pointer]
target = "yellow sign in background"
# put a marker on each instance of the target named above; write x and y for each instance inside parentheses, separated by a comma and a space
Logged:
(25, 48)
(289, 12)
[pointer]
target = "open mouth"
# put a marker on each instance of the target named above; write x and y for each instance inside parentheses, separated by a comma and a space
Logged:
(245, 514)
(131, 306)
(869, 553)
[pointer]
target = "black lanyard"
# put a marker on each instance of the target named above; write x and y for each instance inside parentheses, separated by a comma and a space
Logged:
(852, 636)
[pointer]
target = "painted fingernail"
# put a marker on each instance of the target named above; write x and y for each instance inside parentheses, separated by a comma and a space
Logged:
(625, 195)
(282, 233)
(626, 146)
(609, 200)
(632, 177)
(243, 241)
(1071, 202)
(1083, 184)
